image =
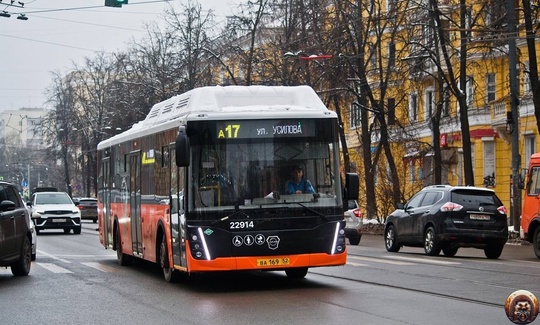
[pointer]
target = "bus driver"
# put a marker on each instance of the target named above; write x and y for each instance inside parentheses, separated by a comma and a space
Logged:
(298, 185)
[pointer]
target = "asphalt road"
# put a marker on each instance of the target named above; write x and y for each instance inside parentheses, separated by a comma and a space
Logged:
(76, 281)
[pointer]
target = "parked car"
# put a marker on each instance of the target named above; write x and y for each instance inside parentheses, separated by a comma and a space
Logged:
(55, 210)
(353, 219)
(442, 217)
(16, 237)
(32, 232)
(88, 207)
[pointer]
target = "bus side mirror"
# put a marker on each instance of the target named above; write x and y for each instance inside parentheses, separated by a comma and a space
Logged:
(182, 148)
(352, 184)
(521, 182)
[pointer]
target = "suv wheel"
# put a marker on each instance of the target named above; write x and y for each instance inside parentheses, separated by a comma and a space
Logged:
(390, 239)
(493, 251)
(22, 266)
(431, 245)
(449, 251)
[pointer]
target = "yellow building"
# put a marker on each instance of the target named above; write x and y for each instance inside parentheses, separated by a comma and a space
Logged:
(415, 89)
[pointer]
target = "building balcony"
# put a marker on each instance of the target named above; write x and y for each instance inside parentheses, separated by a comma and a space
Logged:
(499, 118)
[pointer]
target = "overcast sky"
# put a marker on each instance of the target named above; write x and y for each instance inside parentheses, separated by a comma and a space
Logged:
(58, 32)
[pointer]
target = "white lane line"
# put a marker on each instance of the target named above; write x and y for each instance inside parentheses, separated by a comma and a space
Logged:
(39, 253)
(356, 264)
(54, 268)
(100, 267)
(379, 260)
(421, 260)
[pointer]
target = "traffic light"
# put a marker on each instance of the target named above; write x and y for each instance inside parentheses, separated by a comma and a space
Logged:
(115, 3)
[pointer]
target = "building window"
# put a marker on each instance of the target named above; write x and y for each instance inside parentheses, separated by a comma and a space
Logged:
(530, 146)
(354, 116)
(412, 171)
(391, 5)
(391, 111)
(490, 87)
(526, 78)
(413, 107)
(373, 57)
(391, 54)
(470, 91)
(446, 102)
(429, 104)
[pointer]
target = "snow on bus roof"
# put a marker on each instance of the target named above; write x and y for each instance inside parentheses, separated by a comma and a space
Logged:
(234, 98)
(223, 102)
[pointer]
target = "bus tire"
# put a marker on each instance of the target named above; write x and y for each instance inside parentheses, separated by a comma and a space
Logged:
(121, 258)
(170, 275)
(536, 241)
(296, 273)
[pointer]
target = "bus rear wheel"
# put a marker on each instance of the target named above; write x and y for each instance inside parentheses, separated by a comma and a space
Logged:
(170, 275)
(121, 258)
(296, 273)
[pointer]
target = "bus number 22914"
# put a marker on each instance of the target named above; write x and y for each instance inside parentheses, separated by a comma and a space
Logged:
(241, 225)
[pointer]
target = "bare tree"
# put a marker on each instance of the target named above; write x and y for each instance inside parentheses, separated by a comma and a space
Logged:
(369, 51)
(531, 30)
(189, 29)
(57, 125)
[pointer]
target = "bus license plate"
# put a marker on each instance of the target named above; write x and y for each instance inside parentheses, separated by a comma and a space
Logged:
(270, 262)
(478, 217)
(59, 220)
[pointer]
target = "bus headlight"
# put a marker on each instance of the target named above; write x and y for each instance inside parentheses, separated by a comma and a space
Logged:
(199, 248)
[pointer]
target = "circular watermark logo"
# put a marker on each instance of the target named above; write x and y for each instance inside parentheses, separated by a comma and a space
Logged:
(521, 307)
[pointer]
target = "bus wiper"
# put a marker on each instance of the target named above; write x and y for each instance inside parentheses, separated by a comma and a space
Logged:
(230, 215)
(321, 215)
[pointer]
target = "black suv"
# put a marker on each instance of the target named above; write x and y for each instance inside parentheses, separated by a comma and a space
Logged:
(442, 217)
(15, 233)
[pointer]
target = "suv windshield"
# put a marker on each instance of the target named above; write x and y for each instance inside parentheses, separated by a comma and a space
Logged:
(52, 198)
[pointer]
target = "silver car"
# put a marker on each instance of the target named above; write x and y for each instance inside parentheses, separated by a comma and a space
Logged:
(354, 223)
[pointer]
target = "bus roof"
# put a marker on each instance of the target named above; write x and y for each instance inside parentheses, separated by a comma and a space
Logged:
(227, 102)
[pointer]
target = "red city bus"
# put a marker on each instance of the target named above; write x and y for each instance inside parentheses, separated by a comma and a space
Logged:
(201, 184)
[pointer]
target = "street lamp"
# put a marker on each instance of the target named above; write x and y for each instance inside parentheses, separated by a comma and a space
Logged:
(305, 57)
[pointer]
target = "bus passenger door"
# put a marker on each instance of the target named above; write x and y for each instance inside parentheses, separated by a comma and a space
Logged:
(106, 199)
(135, 199)
(177, 211)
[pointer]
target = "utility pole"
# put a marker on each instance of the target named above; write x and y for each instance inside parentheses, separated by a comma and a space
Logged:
(514, 102)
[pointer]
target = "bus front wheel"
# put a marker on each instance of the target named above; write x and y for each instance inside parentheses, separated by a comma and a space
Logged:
(296, 273)
(169, 273)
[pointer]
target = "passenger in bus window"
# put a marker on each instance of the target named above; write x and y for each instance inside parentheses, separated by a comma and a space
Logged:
(298, 184)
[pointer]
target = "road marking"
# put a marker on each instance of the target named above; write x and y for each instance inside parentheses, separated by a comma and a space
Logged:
(356, 264)
(54, 268)
(421, 260)
(39, 253)
(379, 260)
(100, 267)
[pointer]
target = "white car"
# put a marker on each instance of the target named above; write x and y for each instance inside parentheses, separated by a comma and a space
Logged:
(55, 210)
(354, 222)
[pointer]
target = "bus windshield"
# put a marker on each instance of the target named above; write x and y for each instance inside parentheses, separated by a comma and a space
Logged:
(253, 173)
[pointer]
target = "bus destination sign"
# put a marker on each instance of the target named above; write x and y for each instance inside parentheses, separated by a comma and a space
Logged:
(250, 129)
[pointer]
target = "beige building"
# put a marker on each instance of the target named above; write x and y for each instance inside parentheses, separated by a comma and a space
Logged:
(20, 128)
